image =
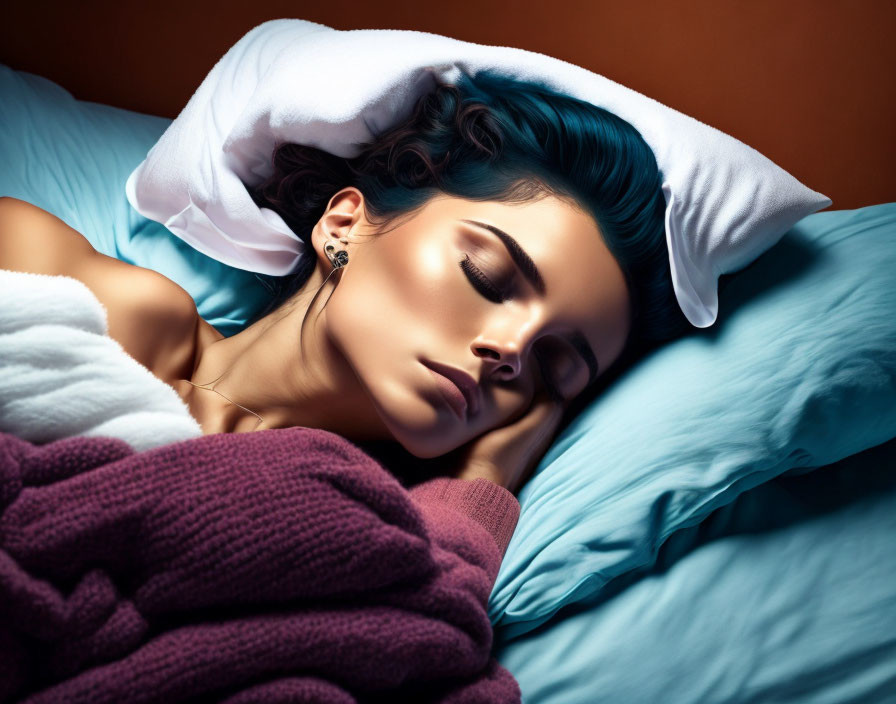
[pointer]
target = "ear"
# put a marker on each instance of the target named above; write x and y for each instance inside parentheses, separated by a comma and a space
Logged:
(343, 217)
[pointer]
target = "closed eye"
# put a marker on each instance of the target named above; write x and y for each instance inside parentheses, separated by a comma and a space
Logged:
(481, 282)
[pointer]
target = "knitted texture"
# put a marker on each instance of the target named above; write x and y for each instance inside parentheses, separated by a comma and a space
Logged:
(277, 566)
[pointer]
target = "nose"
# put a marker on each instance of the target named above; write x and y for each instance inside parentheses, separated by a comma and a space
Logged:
(504, 361)
(503, 350)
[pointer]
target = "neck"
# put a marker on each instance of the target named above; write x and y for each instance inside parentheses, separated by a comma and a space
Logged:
(287, 372)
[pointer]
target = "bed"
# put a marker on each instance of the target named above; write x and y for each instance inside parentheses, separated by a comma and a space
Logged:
(717, 526)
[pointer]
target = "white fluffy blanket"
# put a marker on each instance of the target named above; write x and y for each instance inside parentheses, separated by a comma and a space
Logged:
(61, 374)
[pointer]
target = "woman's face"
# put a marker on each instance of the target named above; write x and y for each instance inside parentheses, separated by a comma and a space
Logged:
(410, 300)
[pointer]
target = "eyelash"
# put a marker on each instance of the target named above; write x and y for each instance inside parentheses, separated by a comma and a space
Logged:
(491, 292)
(481, 282)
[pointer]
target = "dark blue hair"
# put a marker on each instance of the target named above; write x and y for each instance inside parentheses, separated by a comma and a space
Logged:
(494, 138)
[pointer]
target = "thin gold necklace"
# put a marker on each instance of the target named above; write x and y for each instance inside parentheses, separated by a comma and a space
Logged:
(205, 386)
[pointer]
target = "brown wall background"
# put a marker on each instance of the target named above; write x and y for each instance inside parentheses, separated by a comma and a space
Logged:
(810, 84)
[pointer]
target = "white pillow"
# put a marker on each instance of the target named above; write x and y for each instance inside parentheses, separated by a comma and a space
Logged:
(298, 81)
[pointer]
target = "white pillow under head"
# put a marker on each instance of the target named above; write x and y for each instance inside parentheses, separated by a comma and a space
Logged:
(303, 82)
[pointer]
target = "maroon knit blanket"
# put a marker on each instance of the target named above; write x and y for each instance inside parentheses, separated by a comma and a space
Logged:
(276, 566)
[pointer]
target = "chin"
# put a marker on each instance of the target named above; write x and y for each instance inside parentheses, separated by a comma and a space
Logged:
(422, 449)
(425, 443)
(421, 434)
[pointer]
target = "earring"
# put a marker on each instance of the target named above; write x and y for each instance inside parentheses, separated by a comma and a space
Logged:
(338, 258)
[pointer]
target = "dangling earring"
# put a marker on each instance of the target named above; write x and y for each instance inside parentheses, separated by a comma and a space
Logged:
(338, 258)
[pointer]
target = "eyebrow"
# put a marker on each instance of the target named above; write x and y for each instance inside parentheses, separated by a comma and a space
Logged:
(518, 254)
(525, 263)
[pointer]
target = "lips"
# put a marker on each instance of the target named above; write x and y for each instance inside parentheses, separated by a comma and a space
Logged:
(462, 391)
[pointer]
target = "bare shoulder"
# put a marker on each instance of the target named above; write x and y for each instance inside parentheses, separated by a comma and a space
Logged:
(34, 240)
(152, 317)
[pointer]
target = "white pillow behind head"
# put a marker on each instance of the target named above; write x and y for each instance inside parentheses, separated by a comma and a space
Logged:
(296, 81)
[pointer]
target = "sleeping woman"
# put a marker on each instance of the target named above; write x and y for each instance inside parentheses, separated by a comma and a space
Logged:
(468, 276)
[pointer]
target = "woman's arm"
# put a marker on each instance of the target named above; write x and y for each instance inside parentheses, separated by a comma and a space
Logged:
(148, 314)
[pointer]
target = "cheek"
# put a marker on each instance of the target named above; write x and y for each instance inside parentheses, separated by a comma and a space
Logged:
(402, 299)
(433, 281)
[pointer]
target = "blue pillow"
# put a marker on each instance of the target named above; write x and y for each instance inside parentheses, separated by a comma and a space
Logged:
(784, 595)
(799, 371)
(72, 158)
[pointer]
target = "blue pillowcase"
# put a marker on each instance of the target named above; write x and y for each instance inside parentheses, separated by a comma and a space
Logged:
(72, 158)
(799, 372)
(784, 595)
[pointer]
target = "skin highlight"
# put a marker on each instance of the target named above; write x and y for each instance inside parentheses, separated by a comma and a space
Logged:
(355, 367)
